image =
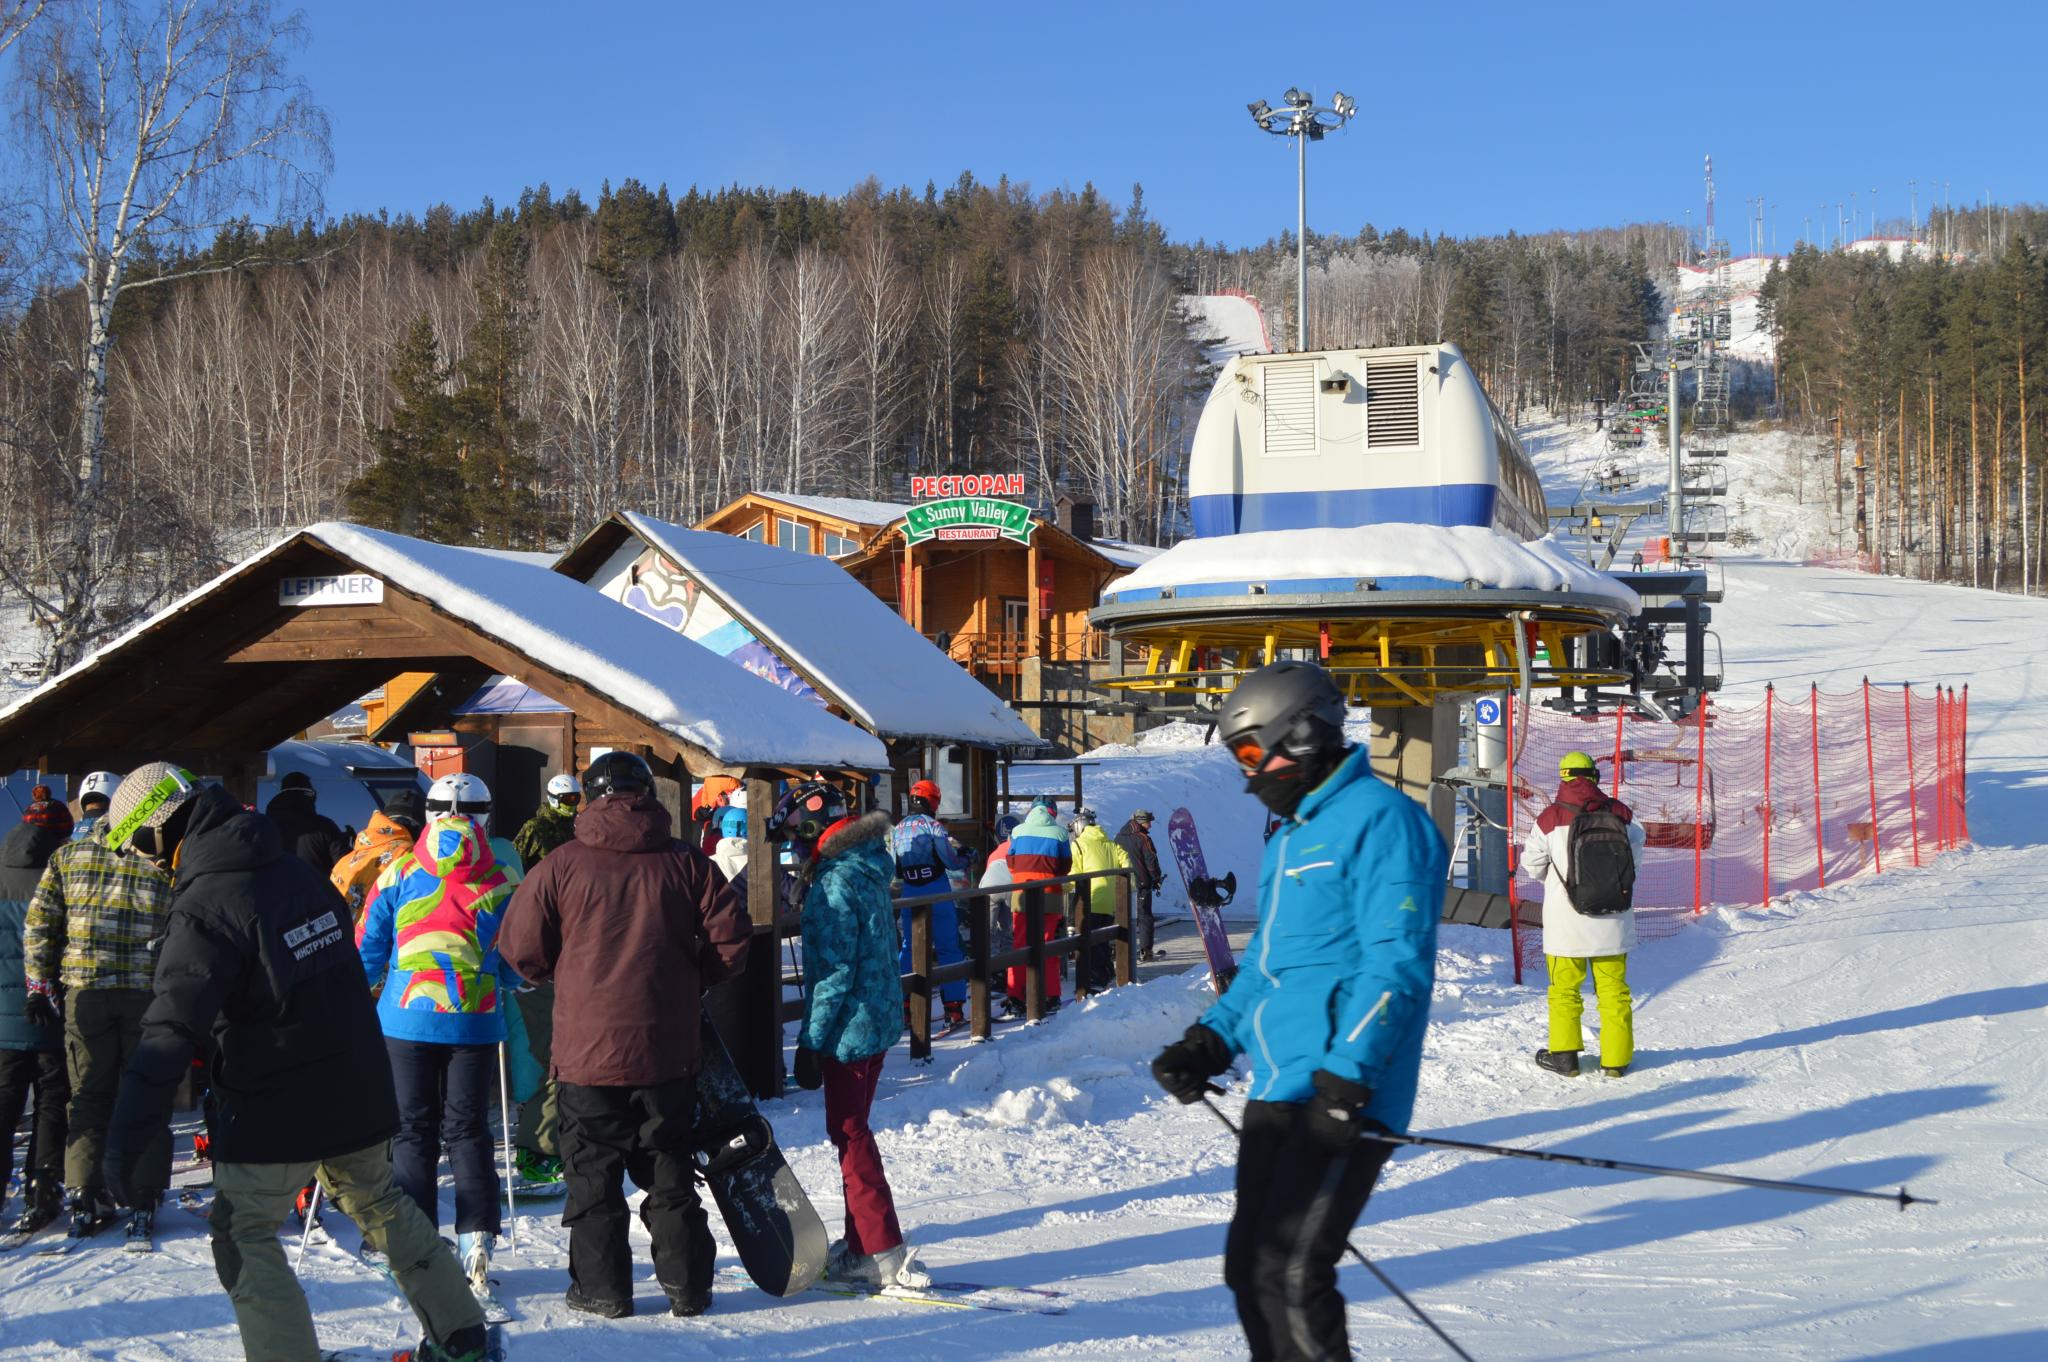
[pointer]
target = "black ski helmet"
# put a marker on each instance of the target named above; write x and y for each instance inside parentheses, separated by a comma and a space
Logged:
(1292, 709)
(617, 773)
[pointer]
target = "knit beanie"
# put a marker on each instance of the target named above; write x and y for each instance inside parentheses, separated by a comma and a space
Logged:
(148, 797)
(45, 812)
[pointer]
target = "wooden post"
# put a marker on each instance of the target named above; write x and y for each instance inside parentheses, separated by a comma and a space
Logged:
(921, 981)
(977, 968)
(909, 587)
(758, 1054)
(1125, 969)
(1034, 953)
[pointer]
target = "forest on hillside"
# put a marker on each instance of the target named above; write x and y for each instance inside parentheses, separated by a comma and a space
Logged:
(1928, 370)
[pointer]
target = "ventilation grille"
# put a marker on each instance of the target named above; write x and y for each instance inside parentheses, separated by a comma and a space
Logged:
(1393, 404)
(1290, 408)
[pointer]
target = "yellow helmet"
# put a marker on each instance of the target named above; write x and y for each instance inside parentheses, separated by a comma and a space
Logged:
(1576, 764)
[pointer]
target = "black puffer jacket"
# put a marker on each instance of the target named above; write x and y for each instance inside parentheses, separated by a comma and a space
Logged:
(23, 854)
(259, 969)
(308, 834)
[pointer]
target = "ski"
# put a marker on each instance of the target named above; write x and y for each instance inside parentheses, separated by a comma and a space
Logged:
(940, 1294)
(495, 1311)
(196, 1201)
(494, 1351)
(23, 1231)
(70, 1242)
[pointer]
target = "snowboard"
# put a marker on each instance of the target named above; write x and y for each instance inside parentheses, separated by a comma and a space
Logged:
(1206, 896)
(776, 1231)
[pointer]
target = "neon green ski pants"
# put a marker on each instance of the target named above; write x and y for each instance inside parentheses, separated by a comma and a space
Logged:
(1617, 1011)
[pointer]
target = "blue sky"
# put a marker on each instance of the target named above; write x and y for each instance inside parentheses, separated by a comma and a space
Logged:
(1474, 118)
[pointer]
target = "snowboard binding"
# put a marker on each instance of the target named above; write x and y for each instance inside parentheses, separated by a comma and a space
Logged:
(1213, 893)
(735, 1145)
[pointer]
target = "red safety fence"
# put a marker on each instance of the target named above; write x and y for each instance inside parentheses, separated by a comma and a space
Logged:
(1740, 805)
(1847, 559)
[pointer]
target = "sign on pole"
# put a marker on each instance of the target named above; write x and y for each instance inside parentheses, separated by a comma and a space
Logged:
(1487, 712)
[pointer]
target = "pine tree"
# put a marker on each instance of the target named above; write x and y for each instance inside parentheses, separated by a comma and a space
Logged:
(415, 486)
(498, 475)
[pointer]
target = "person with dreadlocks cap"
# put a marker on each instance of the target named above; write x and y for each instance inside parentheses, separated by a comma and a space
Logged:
(257, 972)
(1584, 848)
(1330, 1006)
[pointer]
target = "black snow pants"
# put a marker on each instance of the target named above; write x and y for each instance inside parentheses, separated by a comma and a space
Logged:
(1295, 1205)
(607, 1135)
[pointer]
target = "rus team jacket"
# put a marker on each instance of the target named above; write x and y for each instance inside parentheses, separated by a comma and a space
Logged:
(1339, 973)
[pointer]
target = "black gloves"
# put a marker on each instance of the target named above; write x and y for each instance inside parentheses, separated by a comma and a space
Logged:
(1335, 1114)
(1185, 1067)
(40, 1010)
(808, 1075)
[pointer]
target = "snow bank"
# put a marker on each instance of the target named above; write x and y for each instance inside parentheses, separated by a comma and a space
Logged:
(1455, 554)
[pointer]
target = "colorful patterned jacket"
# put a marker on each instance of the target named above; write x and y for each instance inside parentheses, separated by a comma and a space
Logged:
(429, 937)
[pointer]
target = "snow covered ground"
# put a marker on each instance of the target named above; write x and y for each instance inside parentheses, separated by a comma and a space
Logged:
(1889, 1030)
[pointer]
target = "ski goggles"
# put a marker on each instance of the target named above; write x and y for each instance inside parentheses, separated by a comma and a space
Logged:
(571, 800)
(1252, 755)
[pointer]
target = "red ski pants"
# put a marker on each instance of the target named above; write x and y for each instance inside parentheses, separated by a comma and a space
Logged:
(870, 1207)
(1053, 925)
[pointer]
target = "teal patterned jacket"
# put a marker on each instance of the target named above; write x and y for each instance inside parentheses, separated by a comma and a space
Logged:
(854, 1007)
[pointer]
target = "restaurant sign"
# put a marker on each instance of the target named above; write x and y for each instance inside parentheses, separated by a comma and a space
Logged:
(968, 518)
(967, 485)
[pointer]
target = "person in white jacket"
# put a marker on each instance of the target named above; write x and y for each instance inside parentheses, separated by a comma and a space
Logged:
(1577, 944)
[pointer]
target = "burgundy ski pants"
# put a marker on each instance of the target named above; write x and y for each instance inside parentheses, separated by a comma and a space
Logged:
(871, 1225)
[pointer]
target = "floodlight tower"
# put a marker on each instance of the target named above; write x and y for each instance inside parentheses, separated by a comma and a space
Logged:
(1303, 120)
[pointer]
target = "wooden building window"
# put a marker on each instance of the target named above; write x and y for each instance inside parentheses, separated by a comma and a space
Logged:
(790, 534)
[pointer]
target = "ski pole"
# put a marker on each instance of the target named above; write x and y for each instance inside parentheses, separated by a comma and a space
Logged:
(1370, 1265)
(306, 1235)
(1620, 1166)
(505, 1124)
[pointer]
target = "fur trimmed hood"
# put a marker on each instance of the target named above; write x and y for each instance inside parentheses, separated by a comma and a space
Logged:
(847, 834)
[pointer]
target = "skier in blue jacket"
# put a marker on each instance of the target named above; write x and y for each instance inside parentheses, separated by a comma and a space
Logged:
(927, 859)
(1330, 1005)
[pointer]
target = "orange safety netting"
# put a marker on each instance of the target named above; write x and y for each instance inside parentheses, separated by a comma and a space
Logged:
(1800, 791)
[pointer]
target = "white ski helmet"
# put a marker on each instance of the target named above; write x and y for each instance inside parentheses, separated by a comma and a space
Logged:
(99, 785)
(562, 787)
(460, 793)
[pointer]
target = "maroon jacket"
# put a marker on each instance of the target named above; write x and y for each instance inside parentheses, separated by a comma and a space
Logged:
(632, 926)
(1574, 795)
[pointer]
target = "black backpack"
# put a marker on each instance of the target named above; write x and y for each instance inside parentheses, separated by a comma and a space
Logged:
(1600, 867)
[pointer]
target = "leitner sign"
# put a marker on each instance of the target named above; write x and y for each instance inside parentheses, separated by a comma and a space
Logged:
(356, 588)
(968, 485)
(968, 518)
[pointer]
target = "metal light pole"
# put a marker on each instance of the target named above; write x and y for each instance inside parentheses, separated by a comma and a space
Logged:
(1301, 119)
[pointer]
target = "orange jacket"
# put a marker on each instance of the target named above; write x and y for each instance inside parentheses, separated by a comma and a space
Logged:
(376, 845)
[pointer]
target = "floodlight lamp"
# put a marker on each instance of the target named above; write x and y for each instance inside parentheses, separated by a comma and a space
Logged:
(1260, 108)
(1297, 98)
(1345, 105)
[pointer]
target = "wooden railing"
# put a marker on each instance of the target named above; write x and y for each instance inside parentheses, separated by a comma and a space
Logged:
(983, 962)
(1005, 650)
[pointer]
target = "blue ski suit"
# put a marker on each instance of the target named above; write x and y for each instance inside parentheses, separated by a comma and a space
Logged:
(926, 859)
(1339, 973)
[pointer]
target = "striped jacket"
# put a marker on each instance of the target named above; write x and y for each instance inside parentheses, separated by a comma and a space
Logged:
(94, 919)
(1039, 849)
(429, 937)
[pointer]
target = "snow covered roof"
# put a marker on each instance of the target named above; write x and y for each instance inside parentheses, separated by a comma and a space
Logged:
(514, 615)
(1396, 556)
(683, 688)
(844, 508)
(1124, 554)
(840, 636)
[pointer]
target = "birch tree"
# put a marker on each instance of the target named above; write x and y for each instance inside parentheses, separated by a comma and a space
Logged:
(156, 124)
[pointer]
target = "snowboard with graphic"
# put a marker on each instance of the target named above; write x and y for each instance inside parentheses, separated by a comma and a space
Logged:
(775, 1229)
(1206, 896)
